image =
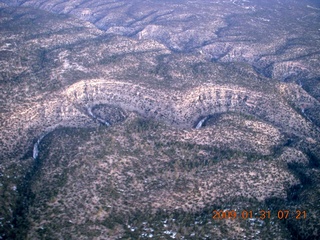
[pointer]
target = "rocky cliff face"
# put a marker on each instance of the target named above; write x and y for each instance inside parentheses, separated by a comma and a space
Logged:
(71, 107)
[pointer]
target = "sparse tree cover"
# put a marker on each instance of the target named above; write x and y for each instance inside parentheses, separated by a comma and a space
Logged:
(159, 119)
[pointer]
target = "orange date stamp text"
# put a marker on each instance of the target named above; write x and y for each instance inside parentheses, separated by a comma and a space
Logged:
(261, 214)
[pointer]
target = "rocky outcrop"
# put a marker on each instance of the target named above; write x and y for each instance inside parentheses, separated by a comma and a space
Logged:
(177, 108)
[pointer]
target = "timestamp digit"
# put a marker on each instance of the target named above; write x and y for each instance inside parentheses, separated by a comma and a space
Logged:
(264, 214)
(299, 214)
(283, 214)
(216, 214)
(245, 214)
(232, 214)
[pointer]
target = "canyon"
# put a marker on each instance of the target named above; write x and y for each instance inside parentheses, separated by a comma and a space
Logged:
(128, 120)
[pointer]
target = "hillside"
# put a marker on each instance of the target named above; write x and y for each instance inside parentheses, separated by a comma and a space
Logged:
(119, 121)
